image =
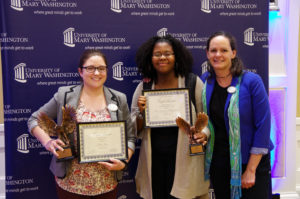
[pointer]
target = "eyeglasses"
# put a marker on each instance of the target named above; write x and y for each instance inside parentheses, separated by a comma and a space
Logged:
(92, 69)
(165, 54)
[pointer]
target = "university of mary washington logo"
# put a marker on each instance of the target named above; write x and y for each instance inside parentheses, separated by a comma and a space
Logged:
(120, 71)
(162, 32)
(24, 73)
(205, 6)
(16, 4)
(117, 71)
(22, 143)
(251, 37)
(68, 37)
(235, 5)
(118, 5)
(204, 67)
(73, 37)
(19, 4)
(25, 143)
(248, 37)
(115, 6)
(20, 73)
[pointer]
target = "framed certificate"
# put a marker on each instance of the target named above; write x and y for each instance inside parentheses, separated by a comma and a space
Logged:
(100, 141)
(164, 106)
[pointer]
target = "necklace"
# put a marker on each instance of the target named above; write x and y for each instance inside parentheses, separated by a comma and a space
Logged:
(224, 81)
(224, 76)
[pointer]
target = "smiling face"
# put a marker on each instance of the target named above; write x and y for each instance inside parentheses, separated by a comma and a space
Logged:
(220, 54)
(97, 78)
(163, 58)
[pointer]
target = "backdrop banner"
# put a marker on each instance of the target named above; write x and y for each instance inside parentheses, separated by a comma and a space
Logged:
(42, 40)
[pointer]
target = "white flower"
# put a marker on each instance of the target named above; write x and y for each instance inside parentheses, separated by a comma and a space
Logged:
(112, 107)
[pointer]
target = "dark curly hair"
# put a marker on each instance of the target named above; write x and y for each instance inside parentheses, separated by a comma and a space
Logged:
(237, 64)
(183, 57)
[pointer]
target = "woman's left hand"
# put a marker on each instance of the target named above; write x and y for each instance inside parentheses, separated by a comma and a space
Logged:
(248, 179)
(113, 164)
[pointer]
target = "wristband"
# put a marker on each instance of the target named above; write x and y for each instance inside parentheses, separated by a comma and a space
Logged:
(126, 165)
(140, 116)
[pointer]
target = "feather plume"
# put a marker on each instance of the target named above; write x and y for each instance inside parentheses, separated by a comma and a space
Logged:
(47, 124)
(67, 127)
(183, 125)
(201, 122)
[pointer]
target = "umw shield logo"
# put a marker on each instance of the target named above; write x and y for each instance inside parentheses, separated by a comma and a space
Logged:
(16, 5)
(115, 6)
(20, 73)
(204, 67)
(248, 37)
(68, 37)
(117, 71)
(205, 6)
(22, 142)
(162, 32)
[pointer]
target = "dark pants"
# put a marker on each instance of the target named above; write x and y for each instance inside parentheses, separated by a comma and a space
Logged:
(163, 170)
(220, 179)
(63, 194)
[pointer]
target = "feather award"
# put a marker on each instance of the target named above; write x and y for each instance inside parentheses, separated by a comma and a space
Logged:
(200, 124)
(63, 131)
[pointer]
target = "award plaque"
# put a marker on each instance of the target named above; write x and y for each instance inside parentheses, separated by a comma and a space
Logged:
(63, 131)
(196, 149)
(100, 141)
(164, 106)
(200, 124)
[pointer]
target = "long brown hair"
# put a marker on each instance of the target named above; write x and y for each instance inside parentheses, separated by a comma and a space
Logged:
(237, 64)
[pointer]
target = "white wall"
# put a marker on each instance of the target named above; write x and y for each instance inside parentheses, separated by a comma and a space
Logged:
(283, 75)
(2, 163)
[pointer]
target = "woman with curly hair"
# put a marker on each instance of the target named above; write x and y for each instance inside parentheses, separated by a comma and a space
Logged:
(165, 167)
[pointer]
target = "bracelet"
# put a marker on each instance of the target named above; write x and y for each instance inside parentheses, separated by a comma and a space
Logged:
(126, 165)
(140, 116)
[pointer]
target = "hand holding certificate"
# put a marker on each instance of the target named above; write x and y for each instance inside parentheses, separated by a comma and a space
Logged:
(100, 141)
(164, 106)
(200, 124)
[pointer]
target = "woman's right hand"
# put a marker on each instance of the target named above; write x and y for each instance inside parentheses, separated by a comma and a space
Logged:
(141, 103)
(141, 106)
(197, 137)
(53, 145)
(200, 137)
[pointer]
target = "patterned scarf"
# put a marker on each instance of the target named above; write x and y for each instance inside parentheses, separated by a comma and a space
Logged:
(234, 142)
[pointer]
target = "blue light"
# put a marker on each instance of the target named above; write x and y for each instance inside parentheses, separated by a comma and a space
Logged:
(273, 15)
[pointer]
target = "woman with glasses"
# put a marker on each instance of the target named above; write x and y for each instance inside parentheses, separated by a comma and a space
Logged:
(165, 167)
(93, 102)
